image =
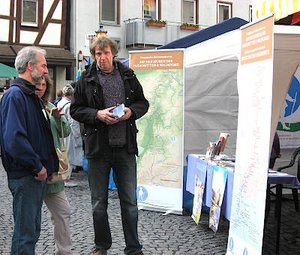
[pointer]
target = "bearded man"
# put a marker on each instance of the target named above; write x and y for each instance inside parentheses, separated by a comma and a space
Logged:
(27, 148)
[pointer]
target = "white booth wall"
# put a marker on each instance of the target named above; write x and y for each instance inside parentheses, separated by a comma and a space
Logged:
(211, 95)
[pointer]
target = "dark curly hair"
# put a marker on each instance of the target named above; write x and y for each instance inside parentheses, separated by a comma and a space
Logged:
(103, 42)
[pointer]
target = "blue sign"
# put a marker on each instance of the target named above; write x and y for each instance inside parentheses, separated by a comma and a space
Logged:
(142, 193)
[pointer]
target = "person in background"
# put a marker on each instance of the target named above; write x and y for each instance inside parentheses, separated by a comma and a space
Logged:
(27, 148)
(55, 197)
(59, 95)
(74, 141)
(275, 151)
(5, 88)
(110, 140)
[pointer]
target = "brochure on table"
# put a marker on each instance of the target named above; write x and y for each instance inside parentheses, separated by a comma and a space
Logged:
(200, 178)
(218, 188)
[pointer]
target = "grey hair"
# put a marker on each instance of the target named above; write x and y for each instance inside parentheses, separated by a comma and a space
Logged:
(26, 55)
(103, 42)
(68, 90)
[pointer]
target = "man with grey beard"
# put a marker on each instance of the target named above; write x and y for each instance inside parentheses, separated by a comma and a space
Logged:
(27, 148)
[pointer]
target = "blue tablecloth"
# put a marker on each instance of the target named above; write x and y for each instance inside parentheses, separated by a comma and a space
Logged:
(196, 164)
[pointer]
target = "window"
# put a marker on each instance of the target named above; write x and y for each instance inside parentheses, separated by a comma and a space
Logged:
(109, 11)
(250, 13)
(151, 9)
(224, 11)
(30, 12)
(189, 10)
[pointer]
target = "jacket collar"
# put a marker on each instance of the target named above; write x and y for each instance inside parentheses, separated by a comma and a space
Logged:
(24, 85)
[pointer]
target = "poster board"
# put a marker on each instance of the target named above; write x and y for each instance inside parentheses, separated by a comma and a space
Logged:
(289, 121)
(160, 137)
(255, 84)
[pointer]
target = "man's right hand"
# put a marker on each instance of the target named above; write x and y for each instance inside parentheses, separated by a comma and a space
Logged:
(107, 116)
(42, 175)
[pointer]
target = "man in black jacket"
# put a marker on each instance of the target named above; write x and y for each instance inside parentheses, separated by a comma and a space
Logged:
(110, 139)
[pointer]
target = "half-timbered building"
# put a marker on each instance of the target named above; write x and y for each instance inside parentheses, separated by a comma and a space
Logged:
(43, 23)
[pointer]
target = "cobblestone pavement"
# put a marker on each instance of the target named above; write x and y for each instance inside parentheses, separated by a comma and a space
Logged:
(159, 234)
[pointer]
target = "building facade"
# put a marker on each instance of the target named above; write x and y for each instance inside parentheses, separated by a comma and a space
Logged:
(65, 28)
(44, 23)
(127, 21)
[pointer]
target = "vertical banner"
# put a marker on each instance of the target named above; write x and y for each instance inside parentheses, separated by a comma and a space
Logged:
(255, 81)
(289, 122)
(160, 137)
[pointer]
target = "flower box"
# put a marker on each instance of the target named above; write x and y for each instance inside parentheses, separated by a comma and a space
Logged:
(193, 28)
(154, 24)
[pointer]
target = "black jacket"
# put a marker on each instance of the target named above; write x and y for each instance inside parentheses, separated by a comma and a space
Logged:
(88, 99)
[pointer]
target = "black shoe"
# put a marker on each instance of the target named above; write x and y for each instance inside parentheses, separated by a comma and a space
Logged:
(77, 169)
(98, 251)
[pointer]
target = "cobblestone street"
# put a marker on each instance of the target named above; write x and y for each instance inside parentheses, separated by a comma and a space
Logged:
(159, 234)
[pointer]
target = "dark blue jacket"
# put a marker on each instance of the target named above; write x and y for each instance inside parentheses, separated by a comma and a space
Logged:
(26, 139)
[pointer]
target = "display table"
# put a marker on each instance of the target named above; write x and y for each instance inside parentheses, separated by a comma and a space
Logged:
(196, 164)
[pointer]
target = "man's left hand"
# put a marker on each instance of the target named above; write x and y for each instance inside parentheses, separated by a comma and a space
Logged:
(127, 114)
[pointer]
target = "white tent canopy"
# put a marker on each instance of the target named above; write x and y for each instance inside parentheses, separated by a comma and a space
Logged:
(211, 96)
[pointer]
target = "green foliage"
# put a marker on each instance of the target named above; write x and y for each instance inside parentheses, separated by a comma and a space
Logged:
(189, 25)
(157, 21)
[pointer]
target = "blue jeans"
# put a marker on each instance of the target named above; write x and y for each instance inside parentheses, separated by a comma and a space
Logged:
(124, 167)
(28, 196)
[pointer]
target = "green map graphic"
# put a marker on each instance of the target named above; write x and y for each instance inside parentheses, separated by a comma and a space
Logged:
(160, 136)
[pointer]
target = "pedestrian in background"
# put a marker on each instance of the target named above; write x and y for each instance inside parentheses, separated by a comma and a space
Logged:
(59, 96)
(55, 197)
(275, 150)
(74, 140)
(27, 148)
(110, 140)
(5, 88)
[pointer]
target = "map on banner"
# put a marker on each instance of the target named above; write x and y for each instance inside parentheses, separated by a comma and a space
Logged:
(160, 144)
(160, 136)
(289, 122)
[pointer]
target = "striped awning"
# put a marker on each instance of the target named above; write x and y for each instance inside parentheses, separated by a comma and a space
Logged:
(280, 8)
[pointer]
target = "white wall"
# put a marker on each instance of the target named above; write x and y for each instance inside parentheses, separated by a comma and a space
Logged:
(208, 10)
(171, 10)
(60, 77)
(87, 22)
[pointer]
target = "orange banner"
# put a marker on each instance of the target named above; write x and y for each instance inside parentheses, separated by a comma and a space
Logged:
(257, 41)
(156, 60)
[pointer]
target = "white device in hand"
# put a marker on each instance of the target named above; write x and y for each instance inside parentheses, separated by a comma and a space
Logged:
(119, 110)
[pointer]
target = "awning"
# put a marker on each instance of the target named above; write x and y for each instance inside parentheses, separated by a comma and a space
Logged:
(55, 56)
(7, 71)
(280, 8)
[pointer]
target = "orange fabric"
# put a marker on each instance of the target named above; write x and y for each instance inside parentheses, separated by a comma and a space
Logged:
(296, 18)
